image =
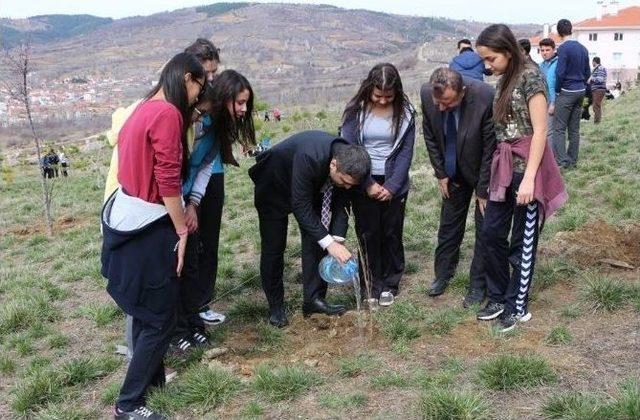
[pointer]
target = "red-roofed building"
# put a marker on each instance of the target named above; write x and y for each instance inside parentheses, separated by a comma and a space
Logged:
(614, 36)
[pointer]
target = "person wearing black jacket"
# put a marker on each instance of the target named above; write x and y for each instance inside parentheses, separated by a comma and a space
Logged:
(460, 138)
(306, 174)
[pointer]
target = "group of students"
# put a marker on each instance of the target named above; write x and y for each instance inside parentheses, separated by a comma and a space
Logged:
(53, 163)
(159, 255)
(163, 208)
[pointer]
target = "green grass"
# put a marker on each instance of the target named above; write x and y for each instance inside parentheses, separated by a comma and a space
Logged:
(507, 372)
(52, 300)
(198, 390)
(20, 314)
(559, 335)
(58, 341)
(7, 364)
(101, 314)
(355, 366)
(604, 294)
(571, 311)
(67, 411)
(443, 321)
(252, 410)
(342, 402)
(86, 369)
(445, 404)
(269, 338)
(390, 379)
(110, 393)
(623, 405)
(572, 406)
(284, 383)
(248, 311)
(36, 390)
(402, 321)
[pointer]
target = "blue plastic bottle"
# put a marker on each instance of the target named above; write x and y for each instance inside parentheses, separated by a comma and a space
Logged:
(333, 272)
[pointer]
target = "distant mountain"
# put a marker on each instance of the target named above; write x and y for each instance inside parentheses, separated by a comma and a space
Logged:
(47, 28)
(291, 53)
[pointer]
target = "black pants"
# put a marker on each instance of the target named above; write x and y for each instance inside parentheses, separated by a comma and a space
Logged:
(453, 219)
(379, 226)
(146, 367)
(273, 241)
(197, 283)
(499, 218)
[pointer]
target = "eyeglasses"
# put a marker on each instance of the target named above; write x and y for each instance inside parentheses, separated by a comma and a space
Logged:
(201, 93)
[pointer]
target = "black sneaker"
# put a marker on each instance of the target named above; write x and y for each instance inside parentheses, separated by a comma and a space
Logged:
(199, 340)
(506, 322)
(491, 311)
(180, 346)
(140, 413)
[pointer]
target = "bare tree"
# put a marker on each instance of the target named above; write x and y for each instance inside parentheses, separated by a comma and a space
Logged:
(18, 62)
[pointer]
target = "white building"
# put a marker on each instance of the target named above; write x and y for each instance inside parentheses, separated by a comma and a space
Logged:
(613, 35)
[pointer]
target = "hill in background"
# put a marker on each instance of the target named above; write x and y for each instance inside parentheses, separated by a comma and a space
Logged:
(292, 53)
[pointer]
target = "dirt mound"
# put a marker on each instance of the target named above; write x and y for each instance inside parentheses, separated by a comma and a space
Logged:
(599, 243)
(313, 341)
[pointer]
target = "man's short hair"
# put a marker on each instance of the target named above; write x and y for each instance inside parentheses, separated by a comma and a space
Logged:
(444, 77)
(547, 42)
(596, 60)
(464, 41)
(564, 27)
(352, 160)
(204, 50)
(525, 44)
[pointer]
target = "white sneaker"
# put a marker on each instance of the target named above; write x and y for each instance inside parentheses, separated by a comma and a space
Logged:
(211, 317)
(386, 299)
(524, 318)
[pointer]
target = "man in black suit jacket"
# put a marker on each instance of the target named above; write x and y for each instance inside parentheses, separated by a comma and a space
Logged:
(307, 175)
(460, 138)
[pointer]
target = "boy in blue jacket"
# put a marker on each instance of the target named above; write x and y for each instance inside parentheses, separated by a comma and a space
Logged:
(548, 67)
(468, 63)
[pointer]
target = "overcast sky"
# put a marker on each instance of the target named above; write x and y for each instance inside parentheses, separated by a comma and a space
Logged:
(539, 11)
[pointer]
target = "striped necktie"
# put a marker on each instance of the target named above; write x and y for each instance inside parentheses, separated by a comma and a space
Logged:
(325, 213)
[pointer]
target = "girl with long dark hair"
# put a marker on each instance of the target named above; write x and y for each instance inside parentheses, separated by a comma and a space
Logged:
(525, 186)
(225, 109)
(381, 118)
(144, 227)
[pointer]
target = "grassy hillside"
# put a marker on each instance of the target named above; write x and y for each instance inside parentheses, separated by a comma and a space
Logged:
(420, 358)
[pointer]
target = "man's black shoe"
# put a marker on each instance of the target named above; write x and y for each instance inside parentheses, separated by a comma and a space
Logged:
(320, 306)
(491, 311)
(474, 297)
(438, 287)
(278, 318)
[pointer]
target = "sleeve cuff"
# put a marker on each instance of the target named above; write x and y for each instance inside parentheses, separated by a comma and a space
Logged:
(167, 191)
(326, 241)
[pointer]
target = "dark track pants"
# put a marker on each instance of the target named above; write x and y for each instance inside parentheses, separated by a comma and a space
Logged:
(146, 367)
(499, 218)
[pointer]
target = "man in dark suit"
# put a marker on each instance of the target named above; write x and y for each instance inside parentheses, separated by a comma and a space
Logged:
(459, 133)
(307, 175)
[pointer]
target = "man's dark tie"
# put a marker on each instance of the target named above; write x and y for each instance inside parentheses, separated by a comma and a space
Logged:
(325, 212)
(450, 145)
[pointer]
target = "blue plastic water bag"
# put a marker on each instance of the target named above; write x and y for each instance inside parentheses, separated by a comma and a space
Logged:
(333, 272)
